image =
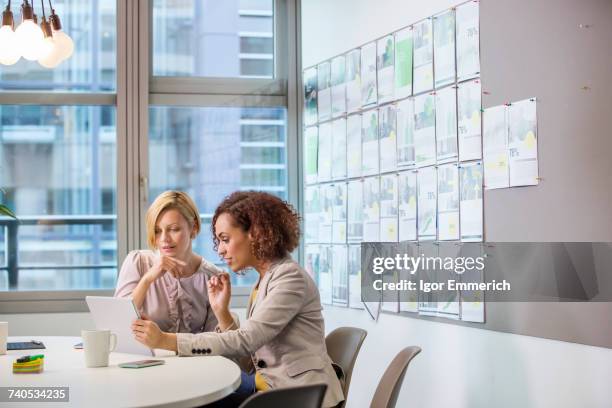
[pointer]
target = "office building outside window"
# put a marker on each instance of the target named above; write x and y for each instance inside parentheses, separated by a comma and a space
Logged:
(212, 38)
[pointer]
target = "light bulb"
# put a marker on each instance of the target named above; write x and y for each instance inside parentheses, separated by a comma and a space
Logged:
(29, 40)
(9, 52)
(47, 47)
(53, 58)
(64, 43)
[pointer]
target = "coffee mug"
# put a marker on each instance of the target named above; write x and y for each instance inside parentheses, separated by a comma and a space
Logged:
(3, 337)
(97, 344)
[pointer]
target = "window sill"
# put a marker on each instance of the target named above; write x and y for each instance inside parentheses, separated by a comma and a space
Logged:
(73, 301)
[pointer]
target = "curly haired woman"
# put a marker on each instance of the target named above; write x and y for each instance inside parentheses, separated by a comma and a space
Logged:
(283, 336)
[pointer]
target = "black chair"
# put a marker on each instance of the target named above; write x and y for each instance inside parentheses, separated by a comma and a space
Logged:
(307, 396)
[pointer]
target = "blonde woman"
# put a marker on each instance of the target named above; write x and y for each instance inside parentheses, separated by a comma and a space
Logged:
(168, 283)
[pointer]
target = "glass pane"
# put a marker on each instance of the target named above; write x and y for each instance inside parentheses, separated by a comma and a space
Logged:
(259, 24)
(213, 38)
(92, 26)
(211, 152)
(59, 176)
(256, 45)
(255, 68)
(264, 154)
(65, 279)
(2, 246)
(3, 280)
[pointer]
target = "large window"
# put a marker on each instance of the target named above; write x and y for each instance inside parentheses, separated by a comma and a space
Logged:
(59, 175)
(59, 160)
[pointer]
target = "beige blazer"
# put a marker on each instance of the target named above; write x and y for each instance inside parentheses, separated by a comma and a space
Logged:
(283, 336)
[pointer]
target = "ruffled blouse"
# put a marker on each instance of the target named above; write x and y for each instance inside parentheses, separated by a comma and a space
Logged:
(176, 305)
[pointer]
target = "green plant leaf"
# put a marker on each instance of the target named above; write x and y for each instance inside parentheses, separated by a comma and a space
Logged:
(4, 210)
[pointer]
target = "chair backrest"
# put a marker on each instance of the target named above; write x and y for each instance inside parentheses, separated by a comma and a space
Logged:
(343, 346)
(306, 396)
(391, 381)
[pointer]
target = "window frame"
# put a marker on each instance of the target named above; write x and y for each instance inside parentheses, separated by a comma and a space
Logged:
(136, 90)
(74, 300)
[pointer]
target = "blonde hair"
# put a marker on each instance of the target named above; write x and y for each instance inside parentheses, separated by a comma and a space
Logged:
(171, 200)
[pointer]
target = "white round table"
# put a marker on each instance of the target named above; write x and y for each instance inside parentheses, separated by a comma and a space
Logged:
(180, 382)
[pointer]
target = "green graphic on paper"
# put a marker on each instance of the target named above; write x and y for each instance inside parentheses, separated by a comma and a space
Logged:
(403, 63)
(311, 154)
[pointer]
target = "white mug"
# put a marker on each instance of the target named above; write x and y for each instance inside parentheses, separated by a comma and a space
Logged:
(3, 337)
(97, 344)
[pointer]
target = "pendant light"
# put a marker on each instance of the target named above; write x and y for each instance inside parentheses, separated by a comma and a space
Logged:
(62, 40)
(29, 36)
(48, 44)
(50, 57)
(9, 51)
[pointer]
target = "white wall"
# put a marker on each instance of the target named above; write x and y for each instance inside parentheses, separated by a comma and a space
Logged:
(470, 367)
(463, 367)
(47, 324)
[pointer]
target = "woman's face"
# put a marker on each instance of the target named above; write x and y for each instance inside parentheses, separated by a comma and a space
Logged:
(173, 234)
(234, 244)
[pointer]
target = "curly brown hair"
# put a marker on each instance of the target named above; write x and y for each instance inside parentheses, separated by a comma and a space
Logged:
(273, 223)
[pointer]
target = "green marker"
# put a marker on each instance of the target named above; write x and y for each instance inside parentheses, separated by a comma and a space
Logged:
(26, 359)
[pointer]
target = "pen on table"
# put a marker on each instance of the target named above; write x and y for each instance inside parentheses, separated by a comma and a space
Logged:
(26, 359)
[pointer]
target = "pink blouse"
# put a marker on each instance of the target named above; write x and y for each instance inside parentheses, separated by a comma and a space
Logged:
(176, 305)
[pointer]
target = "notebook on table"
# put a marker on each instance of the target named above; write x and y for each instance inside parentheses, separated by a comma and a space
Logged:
(24, 345)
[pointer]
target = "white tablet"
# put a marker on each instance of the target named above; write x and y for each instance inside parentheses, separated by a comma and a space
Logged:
(117, 315)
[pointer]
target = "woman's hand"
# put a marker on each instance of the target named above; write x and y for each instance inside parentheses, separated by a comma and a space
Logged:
(219, 293)
(148, 333)
(165, 264)
(161, 265)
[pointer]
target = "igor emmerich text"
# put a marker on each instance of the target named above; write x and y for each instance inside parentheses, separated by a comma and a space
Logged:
(451, 284)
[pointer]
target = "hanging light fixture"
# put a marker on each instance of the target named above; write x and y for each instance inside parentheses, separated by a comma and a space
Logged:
(29, 35)
(50, 56)
(48, 44)
(9, 51)
(62, 40)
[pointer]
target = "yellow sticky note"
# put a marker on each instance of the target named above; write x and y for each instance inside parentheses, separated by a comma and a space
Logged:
(476, 118)
(530, 140)
(502, 160)
(412, 202)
